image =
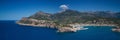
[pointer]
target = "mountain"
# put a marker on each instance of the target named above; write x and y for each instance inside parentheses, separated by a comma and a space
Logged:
(41, 15)
(117, 15)
(73, 16)
(63, 20)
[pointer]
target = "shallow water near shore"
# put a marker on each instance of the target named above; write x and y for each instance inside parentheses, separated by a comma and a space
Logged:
(9, 30)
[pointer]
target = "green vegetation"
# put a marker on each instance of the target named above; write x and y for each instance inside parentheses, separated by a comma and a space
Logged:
(72, 16)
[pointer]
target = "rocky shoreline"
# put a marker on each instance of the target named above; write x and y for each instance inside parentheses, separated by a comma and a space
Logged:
(71, 20)
(74, 28)
(59, 29)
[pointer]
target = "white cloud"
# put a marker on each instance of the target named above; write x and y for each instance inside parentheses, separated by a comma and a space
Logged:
(64, 7)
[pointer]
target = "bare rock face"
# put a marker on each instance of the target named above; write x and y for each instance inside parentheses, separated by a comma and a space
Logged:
(66, 29)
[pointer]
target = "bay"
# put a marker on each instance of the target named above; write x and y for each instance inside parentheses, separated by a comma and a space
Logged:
(9, 30)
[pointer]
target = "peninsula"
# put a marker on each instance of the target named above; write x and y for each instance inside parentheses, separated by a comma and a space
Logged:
(71, 20)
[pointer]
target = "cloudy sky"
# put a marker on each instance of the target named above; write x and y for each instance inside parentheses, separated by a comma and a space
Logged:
(15, 9)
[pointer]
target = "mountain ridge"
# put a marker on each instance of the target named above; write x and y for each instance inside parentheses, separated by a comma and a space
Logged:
(67, 17)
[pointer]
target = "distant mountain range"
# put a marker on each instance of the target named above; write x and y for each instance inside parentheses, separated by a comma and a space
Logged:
(73, 16)
(68, 13)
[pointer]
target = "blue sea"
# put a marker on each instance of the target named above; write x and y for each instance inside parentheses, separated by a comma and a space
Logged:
(9, 30)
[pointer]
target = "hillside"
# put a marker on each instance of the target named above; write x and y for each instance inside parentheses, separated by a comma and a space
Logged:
(67, 17)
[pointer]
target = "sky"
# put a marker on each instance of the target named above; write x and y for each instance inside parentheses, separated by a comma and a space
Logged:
(16, 9)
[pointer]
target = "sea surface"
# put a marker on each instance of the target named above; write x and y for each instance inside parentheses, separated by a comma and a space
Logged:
(9, 30)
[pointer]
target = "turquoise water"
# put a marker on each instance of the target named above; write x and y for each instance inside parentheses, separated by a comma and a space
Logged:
(9, 30)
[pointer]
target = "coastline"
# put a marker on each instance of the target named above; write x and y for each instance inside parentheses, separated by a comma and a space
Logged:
(74, 28)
